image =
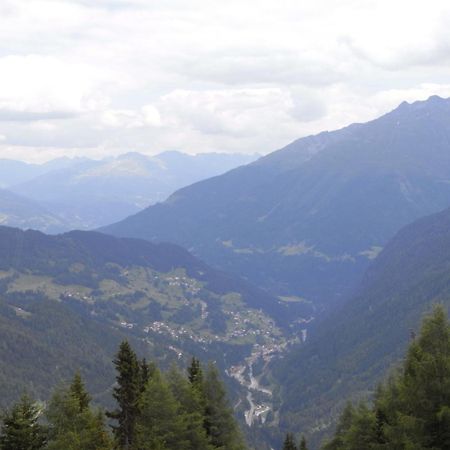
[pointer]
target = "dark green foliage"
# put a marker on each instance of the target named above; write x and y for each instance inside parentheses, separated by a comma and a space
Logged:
(289, 442)
(155, 412)
(146, 372)
(195, 372)
(303, 445)
(126, 393)
(73, 425)
(220, 424)
(191, 410)
(159, 424)
(20, 429)
(350, 351)
(79, 393)
(411, 411)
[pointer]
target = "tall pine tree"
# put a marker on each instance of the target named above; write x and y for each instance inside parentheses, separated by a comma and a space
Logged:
(220, 423)
(303, 445)
(21, 429)
(289, 442)
(126, 393)
(72, 423)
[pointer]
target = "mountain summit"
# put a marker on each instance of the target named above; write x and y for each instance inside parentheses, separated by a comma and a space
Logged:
(307, 219)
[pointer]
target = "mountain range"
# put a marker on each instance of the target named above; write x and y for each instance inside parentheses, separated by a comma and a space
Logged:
(19, 211)
(85, 193)
(320, 261)
(306, 221)
(68, 300)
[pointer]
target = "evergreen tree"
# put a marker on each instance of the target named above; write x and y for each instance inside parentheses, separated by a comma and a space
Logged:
(289, 442)
(126, 393)
(21, 430)
(160, 424)
(146, 372)
(344, 424)
(73, 425)
(195, 372)
(412, 411)
(303, 445)
(191, 410)
(362, 431)
(78, 391)
(220, 424)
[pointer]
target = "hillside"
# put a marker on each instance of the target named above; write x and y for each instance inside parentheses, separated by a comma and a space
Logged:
(352, 350)
(90, 193)
(18, 211)
(67, 300)
(307, 220)
(15, 172)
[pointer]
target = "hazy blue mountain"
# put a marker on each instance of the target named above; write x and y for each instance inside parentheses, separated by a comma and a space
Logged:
(308, 219)
(13, 172)
(67, 300)
(348, 353)
(18, 211)
(91, 193)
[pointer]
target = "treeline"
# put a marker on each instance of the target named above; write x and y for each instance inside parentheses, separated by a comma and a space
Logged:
(411, 411)
(154, 411)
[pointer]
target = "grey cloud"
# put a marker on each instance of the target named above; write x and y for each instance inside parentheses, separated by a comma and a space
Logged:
(235, 67)
(436, 54)
(8, 115)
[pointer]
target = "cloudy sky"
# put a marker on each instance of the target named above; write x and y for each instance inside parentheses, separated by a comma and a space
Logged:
(103, 77)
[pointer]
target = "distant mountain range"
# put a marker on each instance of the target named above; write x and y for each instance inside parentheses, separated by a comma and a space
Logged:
(19, 211)
(351, 351)
(85, 193)
(307, 220)
(67, 300)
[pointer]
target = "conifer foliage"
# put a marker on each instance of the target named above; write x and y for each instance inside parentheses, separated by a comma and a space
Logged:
(155, 411)
(289, 443)
(21, 430)
(412, 410)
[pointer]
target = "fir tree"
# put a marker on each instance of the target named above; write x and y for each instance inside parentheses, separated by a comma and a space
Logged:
(195, 372)
(220, 424)
(21, 430)
(126, 393)
(191, 410)
(72, 427)
(344, 424)
(303, 445)
(412, 411)
(159, 426)
(78, 391)
(146, 372)
(289, 442)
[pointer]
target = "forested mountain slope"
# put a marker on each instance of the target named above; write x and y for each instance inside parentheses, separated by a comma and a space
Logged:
(67, 300)
(18, 211)
(308, 219)
(351, 351)
(90, 193)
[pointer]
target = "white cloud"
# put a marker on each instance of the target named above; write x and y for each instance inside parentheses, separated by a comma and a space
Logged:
(82, 77)
(37, 87)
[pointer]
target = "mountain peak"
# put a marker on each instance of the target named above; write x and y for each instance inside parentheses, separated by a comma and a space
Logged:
(432, 102)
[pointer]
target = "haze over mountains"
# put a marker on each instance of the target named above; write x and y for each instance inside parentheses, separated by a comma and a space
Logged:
(83, 193)
(332, 287)
(353, 350)
(307, 220)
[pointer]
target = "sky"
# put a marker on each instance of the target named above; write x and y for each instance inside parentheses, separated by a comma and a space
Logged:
(102, 77)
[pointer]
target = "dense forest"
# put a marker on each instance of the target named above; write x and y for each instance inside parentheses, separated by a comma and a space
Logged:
(154, 411)
(411, 410)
